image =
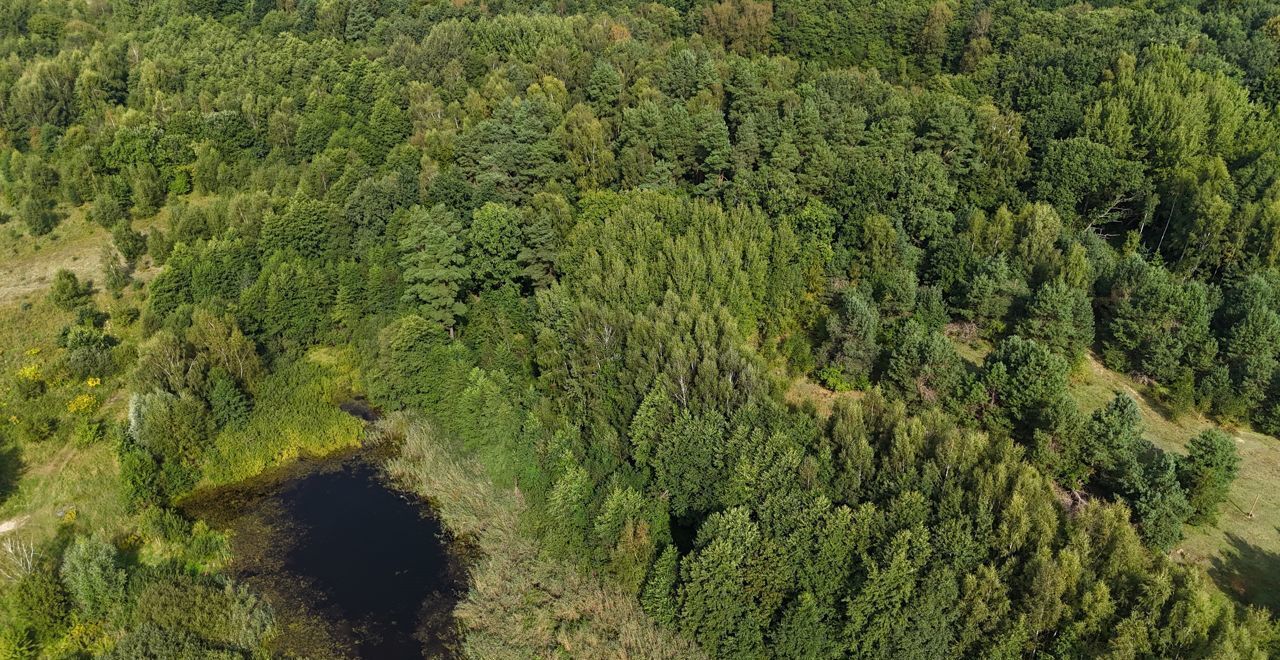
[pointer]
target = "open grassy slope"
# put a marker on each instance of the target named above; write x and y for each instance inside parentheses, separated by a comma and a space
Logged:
(46, 483)
(1242, 552)
(28, 264)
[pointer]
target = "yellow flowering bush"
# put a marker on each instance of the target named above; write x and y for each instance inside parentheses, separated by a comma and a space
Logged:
(93, 381)
(29, 383)
(82, 403)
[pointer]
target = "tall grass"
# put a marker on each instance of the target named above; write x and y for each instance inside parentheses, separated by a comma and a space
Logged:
(295, 413)
(521, 603)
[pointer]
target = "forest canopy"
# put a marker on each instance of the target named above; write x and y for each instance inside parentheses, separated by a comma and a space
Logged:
(596, 242)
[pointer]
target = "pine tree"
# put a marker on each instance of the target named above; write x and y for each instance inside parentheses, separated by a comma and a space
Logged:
(433, 264)
(359, 20)
(659, 596)
(851, 349)
(1060, 317)
(1026, 379)
(1206, 472)
(1160, 506)
(1114, 432)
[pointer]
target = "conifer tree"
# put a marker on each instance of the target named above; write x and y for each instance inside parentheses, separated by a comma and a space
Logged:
(433, 265)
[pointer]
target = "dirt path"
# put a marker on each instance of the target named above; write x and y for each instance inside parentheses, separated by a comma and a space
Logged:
(12, 524)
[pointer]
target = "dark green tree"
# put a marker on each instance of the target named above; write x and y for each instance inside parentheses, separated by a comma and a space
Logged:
(1207, 472)
(493, 245)
(433, 263)
(1061, 317)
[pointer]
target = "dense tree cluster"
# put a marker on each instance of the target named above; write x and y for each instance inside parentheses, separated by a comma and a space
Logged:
(587, 238)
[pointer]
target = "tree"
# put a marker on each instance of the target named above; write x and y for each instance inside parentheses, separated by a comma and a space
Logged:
(924, 367)
(39, 215)
(228, 405)
(1159, 326)
(107, 209)
(568, 517)
(41, 603)
(131, 244)
(359, 20)
(1114, 433)
(659, 595)
(308, 227)
(851, 348)
(434, 266)
(147, 187)
(116, 273)
(1060, 317)
(1206, 473)
(175, 431)
(1026, 380)
(742, 25)
(720, 601)
(387, 121)
(1160, 504)
(493, 245)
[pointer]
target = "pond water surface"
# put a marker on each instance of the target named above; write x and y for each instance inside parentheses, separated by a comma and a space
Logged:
(352, 567)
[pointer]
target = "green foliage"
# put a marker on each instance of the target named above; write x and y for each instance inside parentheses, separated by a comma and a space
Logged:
(590, 243)
(1206, 472)
(1026, 380)
(40, 603)
(493, 245)
(67, 292)
(924, 368)
(175, 431)
(434, 265)
(852, 329)
(131, 244)
(94, 578)
(1158, 326)
(1159, 503)
(294, 412)
(308, 227)
(1059, 316)
(659, 597)
(220, 615)
(228, 405)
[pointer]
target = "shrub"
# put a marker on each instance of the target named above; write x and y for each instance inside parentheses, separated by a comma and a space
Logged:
(41, 604)
(68, 292)
(93, 577)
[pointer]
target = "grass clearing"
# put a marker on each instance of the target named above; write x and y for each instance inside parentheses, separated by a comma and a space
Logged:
(47, 483)
(58, 480)
(62, 483)
(30, 262)
(802, 391)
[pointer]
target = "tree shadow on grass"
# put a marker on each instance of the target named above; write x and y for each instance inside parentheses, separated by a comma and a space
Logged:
(10, 468)
(1249, 572)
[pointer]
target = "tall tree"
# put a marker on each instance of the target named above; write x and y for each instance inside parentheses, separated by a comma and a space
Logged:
(433, 263)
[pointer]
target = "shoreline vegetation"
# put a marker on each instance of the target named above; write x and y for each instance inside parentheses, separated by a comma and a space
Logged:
(555, 608)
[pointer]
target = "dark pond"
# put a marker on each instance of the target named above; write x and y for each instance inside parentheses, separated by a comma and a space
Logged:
(352, 567)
